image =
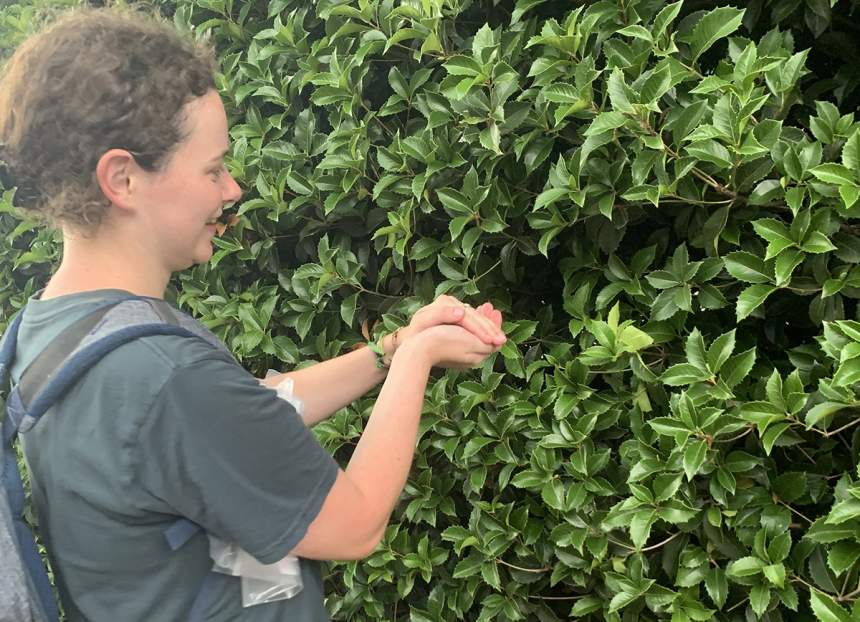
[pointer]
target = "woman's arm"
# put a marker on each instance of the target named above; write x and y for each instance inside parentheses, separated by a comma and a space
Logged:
(353, 517)
(327, 387)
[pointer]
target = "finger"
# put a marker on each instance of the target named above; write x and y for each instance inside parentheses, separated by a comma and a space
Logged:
(497, 318)
(482, 327)
(492, 314)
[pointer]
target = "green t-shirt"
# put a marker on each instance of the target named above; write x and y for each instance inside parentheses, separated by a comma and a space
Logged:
(166, 427)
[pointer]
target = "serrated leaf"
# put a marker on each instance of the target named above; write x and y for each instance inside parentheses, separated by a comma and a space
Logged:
(823, 410)
(851, 152)
(694, 457)
(825, 533)
(775, 573)
(711, 151)
(720, 351)
(745, 567)
(461, 66)
(844, 511)
(769, 438)
(640, 527)
(831, 173)
(738, 367)
(759, 598)
(605, 122)
(683, 373)
(713, 26)
(751, 299)
(842, 556)
(747, 267)
(561, 93)
(817, 242)
(826, 609)
(717, 586)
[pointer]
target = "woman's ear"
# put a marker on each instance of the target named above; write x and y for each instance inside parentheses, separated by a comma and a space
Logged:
(114, 173)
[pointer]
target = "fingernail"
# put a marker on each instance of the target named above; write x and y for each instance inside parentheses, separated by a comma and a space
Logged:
(458, 312)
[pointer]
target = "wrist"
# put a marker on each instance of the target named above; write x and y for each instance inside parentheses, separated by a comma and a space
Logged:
(417, 350)
(387, 346)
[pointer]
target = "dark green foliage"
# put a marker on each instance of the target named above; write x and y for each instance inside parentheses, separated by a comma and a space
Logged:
(664, 200)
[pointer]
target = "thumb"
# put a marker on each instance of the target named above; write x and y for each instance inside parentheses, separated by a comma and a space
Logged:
(457, 313)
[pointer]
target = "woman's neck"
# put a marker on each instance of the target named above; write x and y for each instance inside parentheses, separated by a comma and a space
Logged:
(99, 262)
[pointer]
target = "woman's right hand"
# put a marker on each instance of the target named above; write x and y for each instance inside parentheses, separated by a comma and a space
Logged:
(451, 346)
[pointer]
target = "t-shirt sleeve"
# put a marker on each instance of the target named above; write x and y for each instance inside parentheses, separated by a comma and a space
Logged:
(228, 454)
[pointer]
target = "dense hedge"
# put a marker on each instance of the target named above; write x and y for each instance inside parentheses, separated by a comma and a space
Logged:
(662, 197)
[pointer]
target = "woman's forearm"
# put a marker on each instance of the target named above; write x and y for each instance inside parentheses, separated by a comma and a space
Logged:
(331, 385)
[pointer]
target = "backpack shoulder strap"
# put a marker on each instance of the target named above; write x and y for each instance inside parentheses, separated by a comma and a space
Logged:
(7, 346)
(64, 361)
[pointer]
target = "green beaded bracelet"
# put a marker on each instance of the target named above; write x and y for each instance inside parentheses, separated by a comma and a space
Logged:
(377, 349)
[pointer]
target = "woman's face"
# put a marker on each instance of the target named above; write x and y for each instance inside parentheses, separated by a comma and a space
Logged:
(182, 200)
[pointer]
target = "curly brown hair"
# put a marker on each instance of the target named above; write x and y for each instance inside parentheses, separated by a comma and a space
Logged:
(95, 80)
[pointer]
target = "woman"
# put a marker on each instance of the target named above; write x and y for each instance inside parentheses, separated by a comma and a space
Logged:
(113, 130)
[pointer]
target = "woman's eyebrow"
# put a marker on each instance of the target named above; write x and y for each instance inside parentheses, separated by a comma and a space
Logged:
(219, 156)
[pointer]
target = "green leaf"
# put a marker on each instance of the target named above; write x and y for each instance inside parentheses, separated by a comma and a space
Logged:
(717, 586)
(772, 230)
(552, 494)
(775, 573)
(347, 309)
(747, 267)
(640, 527)
(632, 339)
(586, 605)
(665, 17)
(752, 298)
(738, 367)
(825, 533)
(842, 556)
(621, 600)
(769, 438)
(833, 174)
(694, 457)
(490, 137)
(826, 609)
(619, 92)
(637, 32)
(844, 511)
(759, 598)
(561, 93)
(683, 373)
(849, 195)
(548, 197)
(817, 242)
(461, 66)
(851, 152)
(713, 26)
(711, 151)
(720, 351)
(745, 567)
(822, 411)
(605, 122)
(522, 7)
(668, 426)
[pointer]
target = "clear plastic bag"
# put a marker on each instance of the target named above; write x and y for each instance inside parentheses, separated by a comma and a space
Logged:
(285, 392)
(261, 583)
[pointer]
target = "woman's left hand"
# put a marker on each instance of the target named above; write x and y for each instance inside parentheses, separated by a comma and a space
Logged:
(484, 321)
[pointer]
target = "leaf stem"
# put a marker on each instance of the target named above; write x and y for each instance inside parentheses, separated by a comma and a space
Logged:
(536, 570)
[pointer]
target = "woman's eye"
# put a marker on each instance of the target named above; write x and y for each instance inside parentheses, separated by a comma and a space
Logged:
(216, 174)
